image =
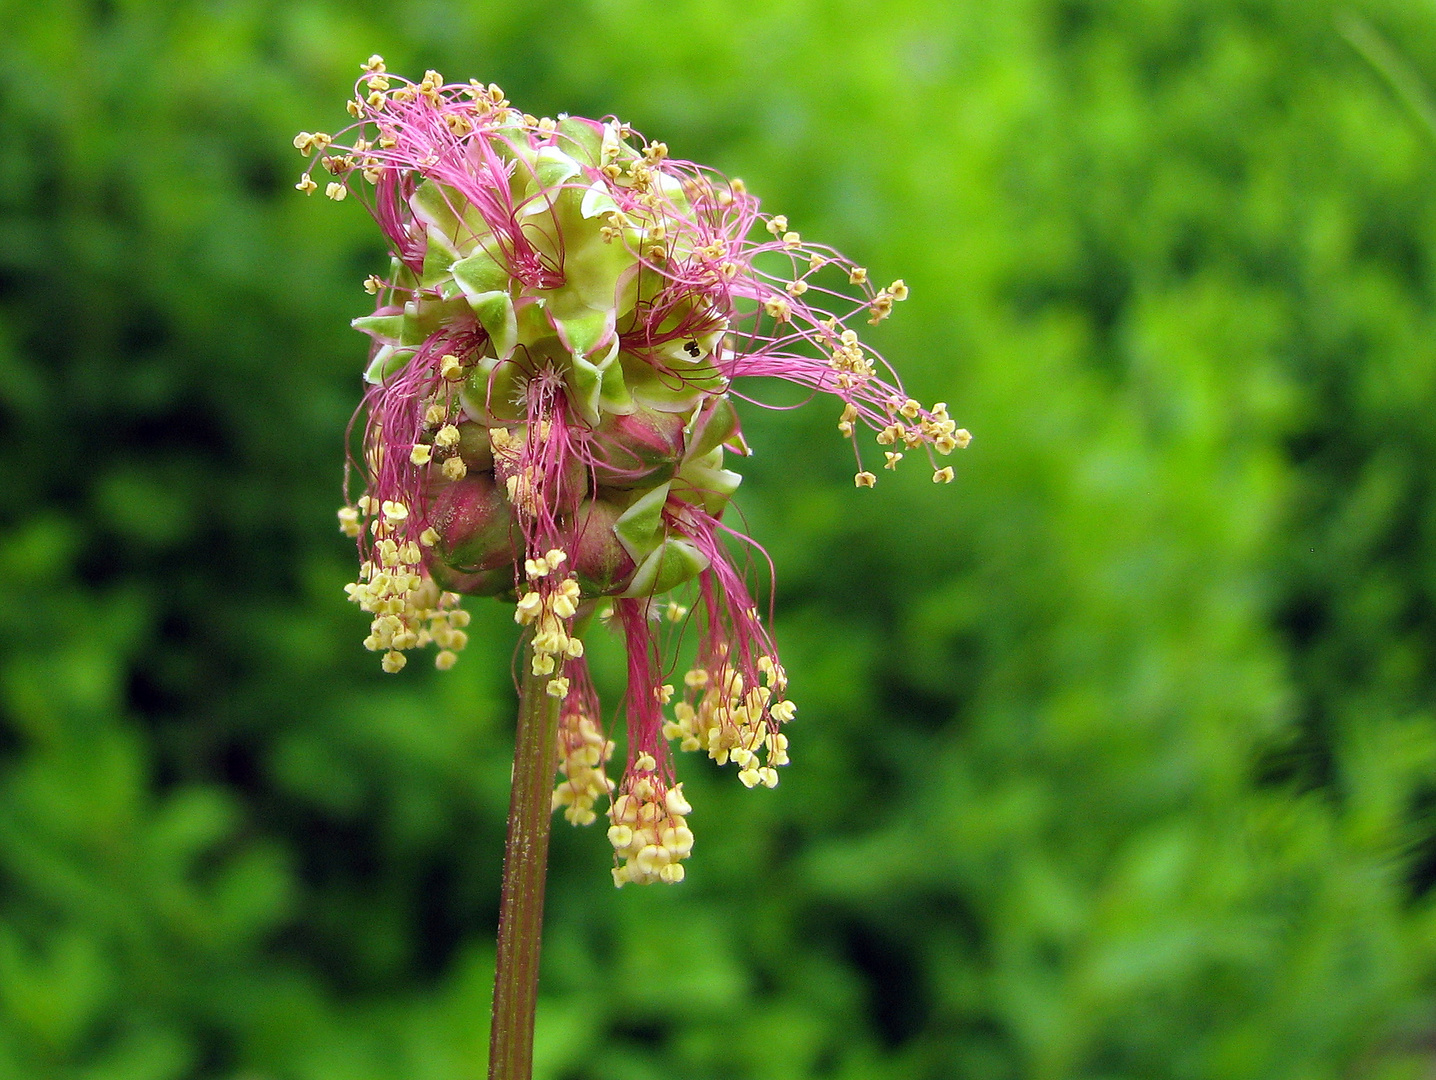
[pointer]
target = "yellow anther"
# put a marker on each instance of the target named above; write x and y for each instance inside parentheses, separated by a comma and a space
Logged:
(897, 290)
(910, 409)
(349, 521)
(336, 191)
(797, 288)
(374, 65)
(857, 276)
(393, 661)
(543, 664)
(536, 568)
(435, 414)
(555, 557)
(528, 607)
(394, 512)
(663, 693)
(450, 368)
(778, 307)
(455, 469)
(307, 185)
(421, 454)
(963, 437)
(558, 687)
(778, 225)
(862, 480)
(372, 284)
(943, 476)
(429, 537)
(892, 459)
(792, 240)
(447, 437)
(645, 763)
(675, 612)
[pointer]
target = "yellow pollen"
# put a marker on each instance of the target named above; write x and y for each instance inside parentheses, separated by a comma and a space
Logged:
(450, 368)
(455, 469)
(421, 454)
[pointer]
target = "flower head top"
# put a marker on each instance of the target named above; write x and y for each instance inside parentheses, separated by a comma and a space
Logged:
(554, 352)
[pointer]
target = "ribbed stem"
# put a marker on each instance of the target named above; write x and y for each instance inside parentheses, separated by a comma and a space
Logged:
(511, 1038)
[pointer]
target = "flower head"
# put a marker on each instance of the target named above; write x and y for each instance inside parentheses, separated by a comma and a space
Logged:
(549, 416)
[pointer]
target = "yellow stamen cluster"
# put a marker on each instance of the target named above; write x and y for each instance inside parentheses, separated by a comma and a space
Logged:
(730, 722)
(649, 831)
(550, 607)
(582, 754)
(409, 610)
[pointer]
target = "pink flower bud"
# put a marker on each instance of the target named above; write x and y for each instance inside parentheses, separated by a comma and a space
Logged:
(603, 567)
(476, 528)
(641, 449)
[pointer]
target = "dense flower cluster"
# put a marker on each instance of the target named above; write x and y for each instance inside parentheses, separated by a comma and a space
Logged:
(549, 408)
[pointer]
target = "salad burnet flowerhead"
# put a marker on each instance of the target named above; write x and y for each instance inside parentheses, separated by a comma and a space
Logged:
(566, 319)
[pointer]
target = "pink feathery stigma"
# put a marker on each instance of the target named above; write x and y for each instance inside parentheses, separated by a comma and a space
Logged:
(549, 410)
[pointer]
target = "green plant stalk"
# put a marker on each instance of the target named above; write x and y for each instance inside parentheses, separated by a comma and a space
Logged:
(511, 1034)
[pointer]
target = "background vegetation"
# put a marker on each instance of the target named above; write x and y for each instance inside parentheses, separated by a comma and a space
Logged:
(1115, 759)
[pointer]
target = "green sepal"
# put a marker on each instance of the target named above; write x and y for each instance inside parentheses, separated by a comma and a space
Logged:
(495, 312)
(614, 396)
(491, 392)
(424, 318)
(586, 333)
(710, 428)
(436, 266)
(640, 527)
(533, 320)
(452, 221)
(585, 389)
(668, 391)
(582, 139)
(553, 167)
(673, 563)
(706, 483)
(597, 200)
(481, 273)
(386, 328)
(386, 362)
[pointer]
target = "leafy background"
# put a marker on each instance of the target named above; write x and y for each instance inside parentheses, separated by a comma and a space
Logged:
(1115, 759)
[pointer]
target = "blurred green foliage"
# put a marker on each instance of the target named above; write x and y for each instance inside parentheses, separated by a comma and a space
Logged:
(1115, 759)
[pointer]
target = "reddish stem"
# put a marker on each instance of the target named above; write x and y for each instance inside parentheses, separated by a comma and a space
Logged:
(511, 1038)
